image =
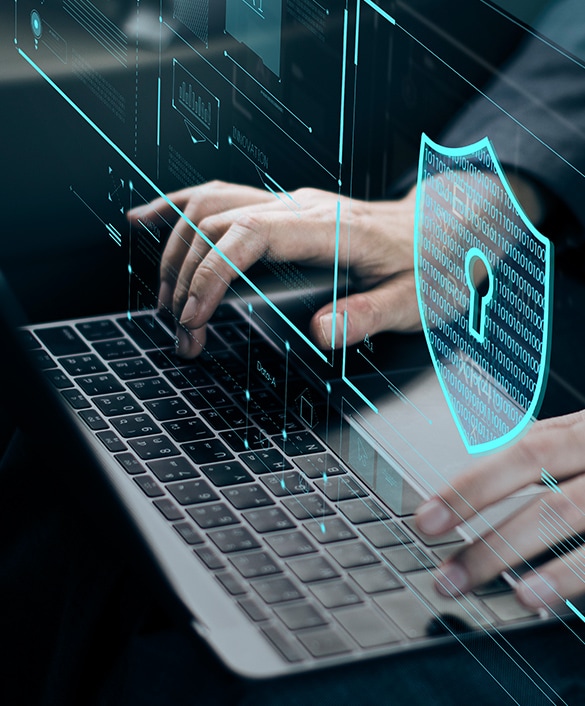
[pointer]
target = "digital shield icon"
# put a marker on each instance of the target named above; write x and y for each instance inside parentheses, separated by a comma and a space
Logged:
(484, 279)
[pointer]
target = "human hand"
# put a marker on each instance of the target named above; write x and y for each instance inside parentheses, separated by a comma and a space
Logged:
(246, 224)
(557, 445)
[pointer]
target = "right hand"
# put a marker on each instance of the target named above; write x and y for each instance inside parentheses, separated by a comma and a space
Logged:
(246, 224)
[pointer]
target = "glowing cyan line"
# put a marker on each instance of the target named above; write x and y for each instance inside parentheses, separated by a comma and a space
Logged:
(575, 610)
(378, 9)
(175, 208)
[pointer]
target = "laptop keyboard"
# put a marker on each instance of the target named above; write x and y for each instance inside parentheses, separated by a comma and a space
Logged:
(310, 556)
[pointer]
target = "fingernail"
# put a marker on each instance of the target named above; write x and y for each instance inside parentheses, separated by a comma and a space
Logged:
(536, 591)
(165, 296)
(326, 324)
(433, 517)
(189, 310)
(452, 578)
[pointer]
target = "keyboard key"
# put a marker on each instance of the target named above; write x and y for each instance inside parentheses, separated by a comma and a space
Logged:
(407, 559)
(221, 474)
(42, 360)
(82, 364)
(287, 483)
(203, 452)
(58, 379)
(254, 564)
(165, 359)
(376, 579)
(146, 331)
(368, 627)
(288, 649)
(93, 420)
(165, 409)
(149, 486)
(276, 422)
(114, 350)
(210, 558)
(363, 510)
(215, 515)
(235, 539)
(187, 377)
(313, 568)
(290, 544)
(385, 534)
(151, 388)
(133, 369)
(352, 554)
(325, 642)
(341, 488)
(246, 439)
(277, 590)
(269, 519)
(507, 608)
(135, 425)
(99, 384)
(334, 594)
(115, 405)
(298, 444)
(168, 509)
(319, 465)
(168, 470)
(28, 340)
(225, 418)
(62, 340)
(247, 496)
(210, 396)
(305, 507)
(75, 399)
(111, 441)
(265, 461)
(188, 533)
(231, 583)
(449, 538)
(192, 492)
(130, 463)
(330, 529)
(99, 330)
(300, 615)
(153, 447)
(497, 585)
(188, 430)
(253, 610)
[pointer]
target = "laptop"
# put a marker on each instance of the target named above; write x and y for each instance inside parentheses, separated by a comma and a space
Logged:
(273, 486)
(285, 531)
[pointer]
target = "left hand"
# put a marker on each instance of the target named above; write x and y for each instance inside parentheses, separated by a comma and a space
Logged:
(557, 445)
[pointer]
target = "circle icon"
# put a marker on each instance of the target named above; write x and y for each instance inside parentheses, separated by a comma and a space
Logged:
(36, 24)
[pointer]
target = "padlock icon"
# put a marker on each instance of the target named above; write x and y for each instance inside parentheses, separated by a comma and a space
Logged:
(484, 280)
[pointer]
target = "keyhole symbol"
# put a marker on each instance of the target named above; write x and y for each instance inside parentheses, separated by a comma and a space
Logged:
(480, 280)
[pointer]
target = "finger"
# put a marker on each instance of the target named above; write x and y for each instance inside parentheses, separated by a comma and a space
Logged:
(214, 197)
(547, 522)
(391, 305)
(190, 342)
(554, 582)
(557, 445)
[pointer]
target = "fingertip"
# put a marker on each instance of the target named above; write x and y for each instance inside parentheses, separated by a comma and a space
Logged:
(434, 517)
(190, 342)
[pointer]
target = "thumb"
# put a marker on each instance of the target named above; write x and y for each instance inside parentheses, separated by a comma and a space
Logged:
(390, 306)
